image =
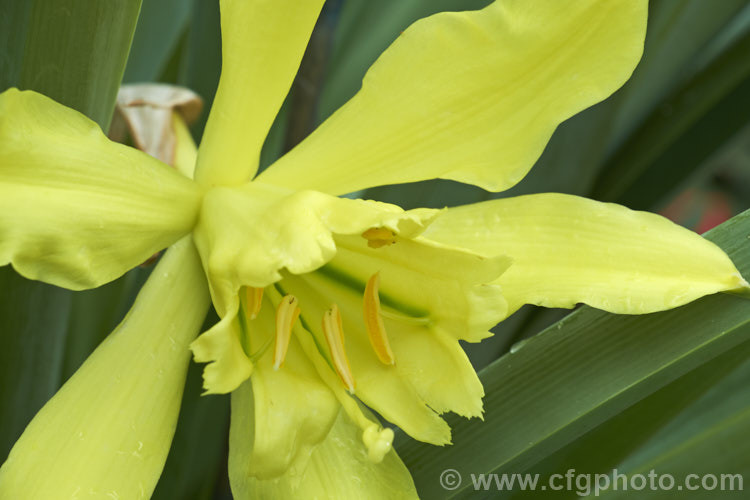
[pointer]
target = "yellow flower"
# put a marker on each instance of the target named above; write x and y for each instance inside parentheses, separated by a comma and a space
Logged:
(328, 305)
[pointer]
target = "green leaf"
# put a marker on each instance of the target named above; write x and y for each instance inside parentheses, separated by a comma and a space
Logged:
(650, 434)
(707, 437)
(73, 51)
(33, 321)
(678, 34)
(13, 27)
(582, 372)
(200, 58)
(160, 26)
(682, 132)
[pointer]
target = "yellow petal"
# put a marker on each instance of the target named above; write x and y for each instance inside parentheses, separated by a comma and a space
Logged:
(338, 468)
(221, 347)
(567, 249)
(77, 210)
(107, 431)
(262, 45)
(279, 415)
(471, 96)
(247, 235)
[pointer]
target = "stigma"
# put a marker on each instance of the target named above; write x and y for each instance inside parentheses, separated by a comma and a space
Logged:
(374, 321)
(378, 441)
(334, 335)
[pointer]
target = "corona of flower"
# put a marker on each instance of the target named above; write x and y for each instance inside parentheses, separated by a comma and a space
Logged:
(328, 306)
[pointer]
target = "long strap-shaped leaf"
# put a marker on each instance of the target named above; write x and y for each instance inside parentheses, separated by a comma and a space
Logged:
(71, 50)
(579, 374)
(703, 114)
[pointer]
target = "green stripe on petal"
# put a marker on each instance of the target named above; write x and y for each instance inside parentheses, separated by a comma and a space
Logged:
(262, 45)
(77, 210)
(338, 468)
(471, 96)
(567, 250)
(107, 431)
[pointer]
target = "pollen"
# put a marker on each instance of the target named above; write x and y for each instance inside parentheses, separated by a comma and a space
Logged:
(254, 301)
(334, 334)
(286, 314)
(379, 237)
(374, 321)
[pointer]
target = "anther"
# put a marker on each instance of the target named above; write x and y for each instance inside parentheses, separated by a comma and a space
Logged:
(334, 334)
(286, 314)
(379, 237)
(254, 301)
(374, 321)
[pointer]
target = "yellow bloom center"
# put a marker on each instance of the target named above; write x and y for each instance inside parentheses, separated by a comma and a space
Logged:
(288, 311)
(378, 440)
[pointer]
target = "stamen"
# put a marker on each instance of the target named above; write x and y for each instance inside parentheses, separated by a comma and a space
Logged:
(374, 322)
(379, 237)
(334, 334)
(378, 441)
(254, 301)
(286, 315)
